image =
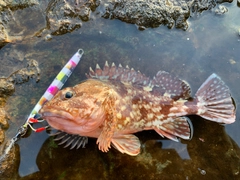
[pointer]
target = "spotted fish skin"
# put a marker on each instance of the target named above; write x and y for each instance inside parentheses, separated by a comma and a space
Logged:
(115, 102)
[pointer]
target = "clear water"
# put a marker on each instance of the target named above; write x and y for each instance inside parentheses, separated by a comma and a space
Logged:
(211, 44)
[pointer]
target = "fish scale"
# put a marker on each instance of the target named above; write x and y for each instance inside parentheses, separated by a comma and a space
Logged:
(115, 102)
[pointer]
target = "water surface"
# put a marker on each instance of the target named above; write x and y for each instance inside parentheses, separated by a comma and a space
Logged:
(210, 45)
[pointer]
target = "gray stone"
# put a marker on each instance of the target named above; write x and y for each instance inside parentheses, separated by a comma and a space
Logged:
(9, 162)
(64, 17)
(150, 13)
(13, 4)
(23, 75)
(6, 87)
(6, 6)
(153, 13)
(67, 16)
(221, 10)
(3, 35)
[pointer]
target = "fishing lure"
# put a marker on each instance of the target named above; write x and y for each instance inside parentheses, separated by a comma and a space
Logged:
(51, 91)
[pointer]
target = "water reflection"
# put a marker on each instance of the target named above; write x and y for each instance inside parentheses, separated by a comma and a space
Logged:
(180, 148)
(202, 157)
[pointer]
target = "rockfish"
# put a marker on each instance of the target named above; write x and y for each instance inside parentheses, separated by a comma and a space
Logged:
(115, 102)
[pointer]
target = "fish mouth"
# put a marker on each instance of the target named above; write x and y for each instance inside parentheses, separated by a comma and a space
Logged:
(49, 114)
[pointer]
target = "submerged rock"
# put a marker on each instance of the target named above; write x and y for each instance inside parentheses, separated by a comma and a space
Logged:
(9, 158)
(6, 8)
(221, 10)
(23, 75)
(3, 35)
(66, 16)
(9, 162)
(3, 114)
(13, 4)
(18, 77)
(3, 119)
(211, 155)
(203, 5)
(6, 87)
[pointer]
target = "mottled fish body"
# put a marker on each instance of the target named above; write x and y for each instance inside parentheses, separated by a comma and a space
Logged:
(116, 102)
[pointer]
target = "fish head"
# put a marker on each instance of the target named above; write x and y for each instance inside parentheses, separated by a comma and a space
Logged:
(75, 110)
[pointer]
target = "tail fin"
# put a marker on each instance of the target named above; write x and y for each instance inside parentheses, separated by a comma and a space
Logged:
(215, 102)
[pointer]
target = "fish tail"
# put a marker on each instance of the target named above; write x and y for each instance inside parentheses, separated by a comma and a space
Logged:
(214, 101)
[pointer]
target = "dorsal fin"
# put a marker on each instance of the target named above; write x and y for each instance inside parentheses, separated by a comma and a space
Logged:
(166, 83)
(119, 73)
(162, 83)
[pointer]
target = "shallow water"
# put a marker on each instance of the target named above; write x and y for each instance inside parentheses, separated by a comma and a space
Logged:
(211, 44)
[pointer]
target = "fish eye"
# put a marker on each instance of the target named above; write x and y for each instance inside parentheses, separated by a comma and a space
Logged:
(68, 95)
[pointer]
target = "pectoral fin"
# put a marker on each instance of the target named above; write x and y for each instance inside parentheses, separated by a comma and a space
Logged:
(104, 140)
(128, 144)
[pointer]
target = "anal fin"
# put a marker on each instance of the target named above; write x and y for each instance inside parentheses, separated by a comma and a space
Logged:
(128, 144)
(167, 135)
(177, 127)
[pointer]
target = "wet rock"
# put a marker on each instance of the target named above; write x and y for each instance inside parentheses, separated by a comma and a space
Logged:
(23, 75)
(12, 4)
(6, 87)
(4, 19)
(3, 35)
(9, 162)
(151, 13)
(6, 8)
(2, 136)
(214, 152)
(66, 16)
(9, 157)
(221, 10)
(32, 71)
(3, 119)
(48, 37)
(199, 6)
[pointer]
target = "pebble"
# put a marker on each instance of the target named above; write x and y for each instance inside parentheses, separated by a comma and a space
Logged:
(221, 10)
(203, 172)
(48, 37)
